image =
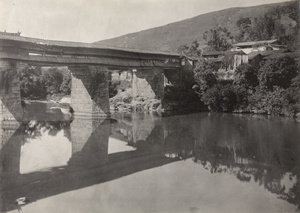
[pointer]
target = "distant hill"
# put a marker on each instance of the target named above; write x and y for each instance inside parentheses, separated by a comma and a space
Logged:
(170, 37)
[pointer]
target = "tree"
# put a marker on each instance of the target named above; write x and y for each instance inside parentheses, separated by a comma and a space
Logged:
(38, 83)
(277, 72)
(244, 25)
(192, 50)
(274, 24)
(269, 101)
(219, 39)
(293, 92)
(205, 75)
(32, 83)
(65, 86)
(220, 98)
(53, 79)
(246, 75)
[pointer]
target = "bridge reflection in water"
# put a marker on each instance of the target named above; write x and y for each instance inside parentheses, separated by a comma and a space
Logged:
(89, 163)
(84, 152)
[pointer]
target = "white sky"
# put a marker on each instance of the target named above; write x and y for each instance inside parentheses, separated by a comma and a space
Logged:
(93, 20)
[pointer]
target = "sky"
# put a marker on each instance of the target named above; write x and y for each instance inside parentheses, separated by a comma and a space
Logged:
(94, 20)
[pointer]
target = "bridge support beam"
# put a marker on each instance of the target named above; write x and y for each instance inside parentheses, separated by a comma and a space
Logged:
(10, 95)
(89, 94)
(148, 84)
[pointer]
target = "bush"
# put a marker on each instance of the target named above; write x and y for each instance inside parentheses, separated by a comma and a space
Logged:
(40, 83)
(205, 75)
(32, 83)
(246, 75)
(267, 101)
(277, 72)
(242, 93)
(293, 92)
(220, 98)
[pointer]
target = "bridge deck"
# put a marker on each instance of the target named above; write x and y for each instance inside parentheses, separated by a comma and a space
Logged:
(40, 51)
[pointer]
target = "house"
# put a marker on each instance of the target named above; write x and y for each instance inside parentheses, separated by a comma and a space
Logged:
(231, 60)
(226, 61)
(188, 63)
(258, 46)
(252, 52)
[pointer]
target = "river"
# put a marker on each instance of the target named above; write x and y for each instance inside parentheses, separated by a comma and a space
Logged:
(142, 162)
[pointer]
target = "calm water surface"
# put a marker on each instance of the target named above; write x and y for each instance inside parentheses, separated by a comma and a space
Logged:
(145, 163)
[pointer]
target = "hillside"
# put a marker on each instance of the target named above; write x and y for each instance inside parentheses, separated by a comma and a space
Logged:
(171, 36)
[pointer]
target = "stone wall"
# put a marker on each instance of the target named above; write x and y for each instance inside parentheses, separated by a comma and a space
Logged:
(89, 93)
(10, 96)
(148, 84)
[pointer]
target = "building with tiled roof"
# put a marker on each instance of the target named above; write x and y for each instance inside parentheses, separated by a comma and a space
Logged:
(258, 46)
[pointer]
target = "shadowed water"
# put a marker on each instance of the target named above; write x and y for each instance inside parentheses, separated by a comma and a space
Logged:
(147, 163)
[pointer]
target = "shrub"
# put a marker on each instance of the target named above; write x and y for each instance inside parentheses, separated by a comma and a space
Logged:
(220, 98)
(268, 101)
(242, 93)
(277, 72)
(246, 75)
(205, 74)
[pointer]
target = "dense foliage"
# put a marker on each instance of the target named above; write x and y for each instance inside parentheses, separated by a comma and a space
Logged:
(43, 83)
(192, 50)
(277, 72)
(272, 88)
(277, 23)
(219, 39)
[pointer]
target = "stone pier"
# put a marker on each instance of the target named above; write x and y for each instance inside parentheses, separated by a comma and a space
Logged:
(89, 93)
(11, 113)
(10, 96)
(148, 83)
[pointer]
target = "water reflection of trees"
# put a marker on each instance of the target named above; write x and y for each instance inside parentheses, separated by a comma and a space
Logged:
(269, 171)
(34, 129)
(252, 148)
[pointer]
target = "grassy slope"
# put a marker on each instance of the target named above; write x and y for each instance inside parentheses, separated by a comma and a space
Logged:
(171, 36)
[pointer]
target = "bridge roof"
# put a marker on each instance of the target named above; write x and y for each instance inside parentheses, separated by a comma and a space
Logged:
(37, 51)
(44, 42)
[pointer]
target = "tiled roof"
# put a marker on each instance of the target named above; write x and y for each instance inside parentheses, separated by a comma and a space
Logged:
(252, 43)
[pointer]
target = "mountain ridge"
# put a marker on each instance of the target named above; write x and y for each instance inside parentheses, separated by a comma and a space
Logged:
(169, 37)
